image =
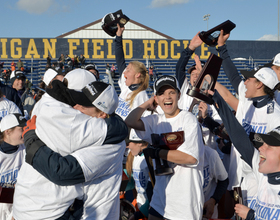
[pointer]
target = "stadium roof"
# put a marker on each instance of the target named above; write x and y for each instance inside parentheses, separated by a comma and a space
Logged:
(133, 30)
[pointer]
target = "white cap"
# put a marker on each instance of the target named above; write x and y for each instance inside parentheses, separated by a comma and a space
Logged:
(133, 136)
(12, 120)
(103, 96)
(49, 75)
(99, 94)
(267, 76)
(276, 60)
(79, 78)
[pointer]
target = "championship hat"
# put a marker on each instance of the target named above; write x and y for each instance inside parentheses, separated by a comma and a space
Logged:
(12, 120)
(166, 81)
(272, 138)
(275, 61)
(266, 75)
(110, 20)
(99, 94)
(17, 74)
(79, 78)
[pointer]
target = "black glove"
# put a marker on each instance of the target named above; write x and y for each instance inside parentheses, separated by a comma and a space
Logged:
(153, 152)
(32, 144)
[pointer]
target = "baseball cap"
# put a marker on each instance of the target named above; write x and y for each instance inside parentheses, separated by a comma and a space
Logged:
(17, 74)
(49, 75)
(12, 120)
(91, 66)
(110, 20)
(265, 74)
(166, 81)
(99, 94)
(275, 61)
(193, 66)
(79, 78)
(134, 138)
(272, 138)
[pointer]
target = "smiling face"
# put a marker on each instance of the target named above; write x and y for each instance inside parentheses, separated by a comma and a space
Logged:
(131, 76)
(19, 83)
(167, 98)
(269, 159)
(251, 86)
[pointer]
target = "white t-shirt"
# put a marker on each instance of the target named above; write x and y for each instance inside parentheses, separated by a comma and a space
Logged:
(10, 165)
(259, 120)
(102, 168)
(64, 130)
(213, 171)
(187, 181)
(124, 107)
(7, 107)
(185, 102)
(267, 201)
(141, 177)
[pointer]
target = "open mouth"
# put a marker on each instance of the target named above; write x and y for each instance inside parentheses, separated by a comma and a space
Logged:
(262, 159)
(167, 104)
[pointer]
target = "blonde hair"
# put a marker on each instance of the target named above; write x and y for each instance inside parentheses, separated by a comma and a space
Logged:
(129, 163)
(139, 67)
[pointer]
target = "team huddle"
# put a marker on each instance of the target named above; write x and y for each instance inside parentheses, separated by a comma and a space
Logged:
(68, 160)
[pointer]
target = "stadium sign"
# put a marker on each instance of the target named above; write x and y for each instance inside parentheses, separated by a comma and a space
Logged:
(38, 48)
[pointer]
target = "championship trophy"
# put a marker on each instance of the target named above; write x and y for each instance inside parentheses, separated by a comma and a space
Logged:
(238, 199)
(206, 80)
(167, 141)
(211, 36)
(109, 22)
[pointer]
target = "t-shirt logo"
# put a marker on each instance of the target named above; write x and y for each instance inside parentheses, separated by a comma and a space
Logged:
(270, 107)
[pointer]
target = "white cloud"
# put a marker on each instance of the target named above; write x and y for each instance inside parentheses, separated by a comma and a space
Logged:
(42, 6)
(164, 3)
(34, 7)
(269, 37)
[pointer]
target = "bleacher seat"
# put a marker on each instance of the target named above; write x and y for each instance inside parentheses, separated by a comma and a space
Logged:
(35, 69)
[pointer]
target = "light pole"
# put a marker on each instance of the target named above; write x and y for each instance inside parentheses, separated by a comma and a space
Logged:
(278, 20)
(206, 18)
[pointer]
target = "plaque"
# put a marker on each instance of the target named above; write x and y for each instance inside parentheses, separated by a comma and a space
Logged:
(110, 21)
(168, 141)
(206, 80)
(211, 36)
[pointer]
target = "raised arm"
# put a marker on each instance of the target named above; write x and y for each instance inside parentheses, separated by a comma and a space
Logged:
(230, 99)
(235, 131)
(133, 120)
(119, 50)
(228, 66)
(184, 59)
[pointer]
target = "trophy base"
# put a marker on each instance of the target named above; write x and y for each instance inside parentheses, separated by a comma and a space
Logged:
(164, 171)
(194, 92)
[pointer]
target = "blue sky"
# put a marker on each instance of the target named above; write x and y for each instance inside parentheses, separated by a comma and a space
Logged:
(180, 19)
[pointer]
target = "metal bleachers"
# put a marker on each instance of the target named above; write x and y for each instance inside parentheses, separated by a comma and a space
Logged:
(35, 69)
